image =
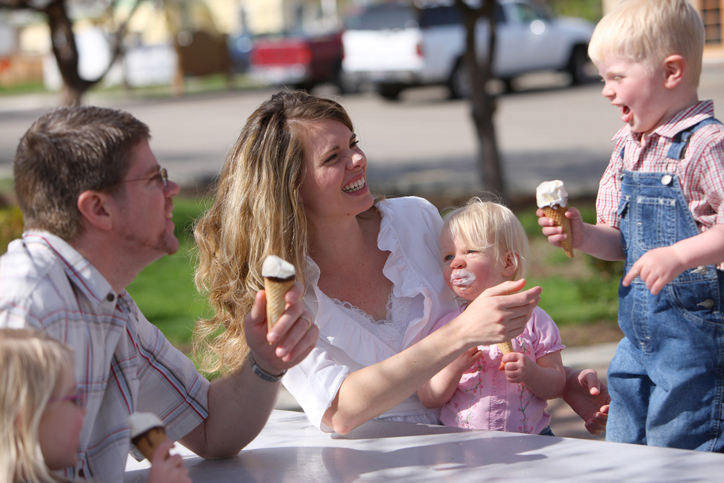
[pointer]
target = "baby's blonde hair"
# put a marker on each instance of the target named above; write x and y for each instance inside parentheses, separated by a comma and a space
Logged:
(483, 225)
(31, 367)
(648, 31)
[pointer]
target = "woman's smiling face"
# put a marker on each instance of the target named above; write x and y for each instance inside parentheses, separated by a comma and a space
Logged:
(334, 182)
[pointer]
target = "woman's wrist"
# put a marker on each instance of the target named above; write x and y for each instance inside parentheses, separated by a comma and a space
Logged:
(267, 376)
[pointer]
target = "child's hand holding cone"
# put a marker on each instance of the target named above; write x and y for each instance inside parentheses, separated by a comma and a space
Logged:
(552, 198)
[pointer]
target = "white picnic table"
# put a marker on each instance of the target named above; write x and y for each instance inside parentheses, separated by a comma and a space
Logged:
(291, 449)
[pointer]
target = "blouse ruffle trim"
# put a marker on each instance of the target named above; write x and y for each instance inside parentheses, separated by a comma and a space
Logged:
(356, 341)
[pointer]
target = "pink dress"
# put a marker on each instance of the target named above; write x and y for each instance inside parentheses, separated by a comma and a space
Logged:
(484, 399)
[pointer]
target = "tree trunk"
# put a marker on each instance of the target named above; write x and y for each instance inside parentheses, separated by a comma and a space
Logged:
(66, 53)
(482, 103)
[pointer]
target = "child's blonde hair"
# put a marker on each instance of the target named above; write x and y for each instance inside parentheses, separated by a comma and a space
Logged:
(31, 368)
(483, 225)
(648, 31)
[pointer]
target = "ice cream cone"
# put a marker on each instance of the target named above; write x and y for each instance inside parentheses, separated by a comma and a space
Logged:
(148, 441)
(275, 291)
(279, 277)
(505, 347)
(557, 213)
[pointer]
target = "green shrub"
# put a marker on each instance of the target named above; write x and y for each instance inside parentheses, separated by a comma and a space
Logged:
(11, 225)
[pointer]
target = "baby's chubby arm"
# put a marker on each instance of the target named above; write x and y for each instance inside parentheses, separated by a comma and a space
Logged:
(544, 377)
(600, 241)
(660, 266)
(438, 390)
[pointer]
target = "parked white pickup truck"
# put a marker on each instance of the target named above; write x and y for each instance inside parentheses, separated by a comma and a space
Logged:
(400, 45)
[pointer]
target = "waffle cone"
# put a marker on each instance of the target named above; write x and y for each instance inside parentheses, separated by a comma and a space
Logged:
(275, 303)
(148, 441)
(505, 347)
(558, 215)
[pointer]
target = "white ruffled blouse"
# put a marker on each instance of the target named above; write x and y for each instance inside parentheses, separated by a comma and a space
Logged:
(350, 339)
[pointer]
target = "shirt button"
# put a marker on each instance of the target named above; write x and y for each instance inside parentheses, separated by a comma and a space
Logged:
(110, 297)
(666, 179)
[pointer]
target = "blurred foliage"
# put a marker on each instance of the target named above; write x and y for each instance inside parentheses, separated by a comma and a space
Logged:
(23, 88)
(591, 10)
(11, 225)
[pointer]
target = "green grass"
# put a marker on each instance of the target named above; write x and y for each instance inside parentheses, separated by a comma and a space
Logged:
(576, 291)
(591, 10)
(165, 290)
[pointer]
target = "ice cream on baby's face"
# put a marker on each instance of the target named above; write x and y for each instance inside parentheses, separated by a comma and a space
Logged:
(275, 267)
(551, 193)
(462, 277)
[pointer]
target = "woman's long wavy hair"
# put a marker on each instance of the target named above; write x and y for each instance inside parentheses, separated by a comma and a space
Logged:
(257, 212)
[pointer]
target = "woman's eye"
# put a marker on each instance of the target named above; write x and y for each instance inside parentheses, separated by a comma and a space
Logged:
(354, 143)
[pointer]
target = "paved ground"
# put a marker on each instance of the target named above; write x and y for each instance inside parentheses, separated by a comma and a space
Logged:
(423, 144)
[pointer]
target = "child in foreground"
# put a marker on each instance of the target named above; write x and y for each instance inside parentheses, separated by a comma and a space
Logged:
(659, 208)
(483, 244)
(42, 416)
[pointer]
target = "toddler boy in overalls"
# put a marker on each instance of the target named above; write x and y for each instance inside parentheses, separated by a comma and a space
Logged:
(660, 208)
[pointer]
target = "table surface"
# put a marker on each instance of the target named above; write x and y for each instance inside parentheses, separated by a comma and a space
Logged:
(291, 449)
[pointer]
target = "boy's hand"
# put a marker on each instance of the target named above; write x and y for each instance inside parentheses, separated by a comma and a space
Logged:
(588, 396)
(518, 368)
(555, 233)
(656, 268)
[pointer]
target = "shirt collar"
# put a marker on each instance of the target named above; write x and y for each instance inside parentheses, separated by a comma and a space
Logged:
(682, 120)
(79, 270)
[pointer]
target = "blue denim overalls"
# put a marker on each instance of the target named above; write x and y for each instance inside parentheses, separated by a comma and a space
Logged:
(667, 378)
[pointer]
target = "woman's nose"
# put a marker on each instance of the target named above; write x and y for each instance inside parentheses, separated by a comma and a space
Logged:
(355, 160)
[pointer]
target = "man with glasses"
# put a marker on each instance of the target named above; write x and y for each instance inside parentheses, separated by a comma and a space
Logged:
(97, 210)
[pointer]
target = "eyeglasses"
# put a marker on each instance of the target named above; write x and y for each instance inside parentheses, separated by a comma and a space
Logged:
(161, 176)
(76, 398)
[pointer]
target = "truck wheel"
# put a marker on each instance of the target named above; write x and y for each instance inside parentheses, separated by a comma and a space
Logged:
(459, 83)
(391, 92)
(578, 66)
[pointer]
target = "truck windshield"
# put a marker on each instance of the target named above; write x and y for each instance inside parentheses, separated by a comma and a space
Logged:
(383, 17)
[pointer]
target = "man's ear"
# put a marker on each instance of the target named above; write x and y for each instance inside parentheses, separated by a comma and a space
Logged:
(674, 70)
(95, 207)
(510, 263)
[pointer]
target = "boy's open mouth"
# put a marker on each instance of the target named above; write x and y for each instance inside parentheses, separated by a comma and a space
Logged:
(626, 114)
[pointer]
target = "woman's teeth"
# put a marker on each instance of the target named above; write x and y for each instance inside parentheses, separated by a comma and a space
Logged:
(354, 186)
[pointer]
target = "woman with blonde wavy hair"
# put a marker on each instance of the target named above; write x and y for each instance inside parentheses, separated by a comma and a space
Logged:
(294, 185)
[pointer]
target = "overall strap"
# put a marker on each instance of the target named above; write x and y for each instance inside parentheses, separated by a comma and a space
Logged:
(682, 138)
(677, 150)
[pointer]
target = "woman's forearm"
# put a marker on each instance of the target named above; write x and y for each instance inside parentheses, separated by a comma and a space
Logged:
(374, 390)
(499, 314)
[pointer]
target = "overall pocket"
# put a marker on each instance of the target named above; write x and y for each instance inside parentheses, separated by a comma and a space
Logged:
(655, 222)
